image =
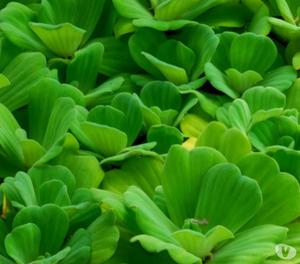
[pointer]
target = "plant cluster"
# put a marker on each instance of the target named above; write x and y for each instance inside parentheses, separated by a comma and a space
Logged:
(149, 131)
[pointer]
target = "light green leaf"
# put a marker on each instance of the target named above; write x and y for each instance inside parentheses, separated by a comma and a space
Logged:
(232, 143)
(63, 39)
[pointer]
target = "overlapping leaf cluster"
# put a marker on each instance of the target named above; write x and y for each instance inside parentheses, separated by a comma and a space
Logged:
(149, 131)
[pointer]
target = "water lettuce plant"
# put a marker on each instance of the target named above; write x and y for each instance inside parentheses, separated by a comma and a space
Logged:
(149, 131)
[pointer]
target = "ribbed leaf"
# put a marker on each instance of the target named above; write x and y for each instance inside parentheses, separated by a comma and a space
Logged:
(203, 42)
(182, 179)
(131, 9)
(237, 114)
(218, 80)
(83, 69)
(116, 58)
(146, 40)
(251, 246)
(154, 245)
(223, 195)
(144, 172)
(63, 39)
(172, 73)
(76, 12)
(22, 78)
(252, 52)
(48, 215)
(164, 136)
(130, 106)
(14, 22)
(106, 140)
(276, 207)
(281, 78)
(104, 238)
(22, 244)
(164, 95)
(232, 143)
(149, 217)
(60, 120)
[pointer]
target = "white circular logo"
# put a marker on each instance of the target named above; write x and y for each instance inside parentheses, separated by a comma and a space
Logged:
(285, 251)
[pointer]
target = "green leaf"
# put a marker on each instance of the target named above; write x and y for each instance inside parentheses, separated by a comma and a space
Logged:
(232, 143)
(150, 219)
(43, 217)
(104, 238)
(218, 80)
(48, 91)
(292, 96)
(161, 25)
(83, 69)
(276, 207)
(22, 78)
(144, 172)
(85, 168)
(174, 9)
(131, 9)
(281, 78)
(60, 120)
(76, 12)
(236, 114)
(130, 106)
(146, 40)
(107, 115)
(231, 15)
(106, 140)
(176, 53)
(14, 22)
(251, 246)
(154, 245)
(202, 40)
(202, 245)
(164, 95)
(172, 73)
(264, 99)
(182, 179)
(252, 52)
(22, 244)
(42, 174)
(223, 196)
(116, 57)
(20, 189)
(241, 81)
(54, 37)
(165, 137)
